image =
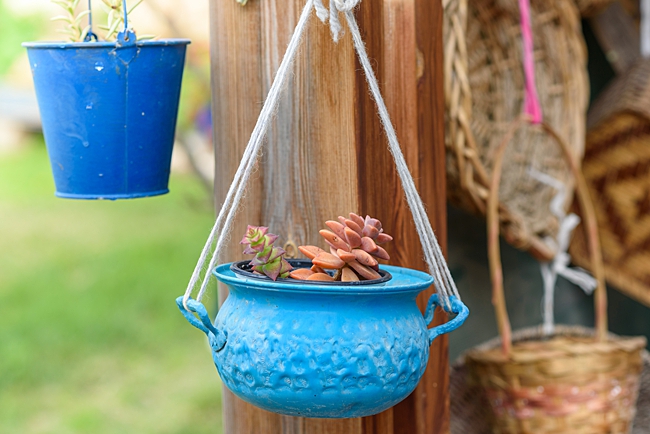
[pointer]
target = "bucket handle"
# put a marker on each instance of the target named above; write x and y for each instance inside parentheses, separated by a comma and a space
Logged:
(216, 337)
(456, 307)
(124, 37)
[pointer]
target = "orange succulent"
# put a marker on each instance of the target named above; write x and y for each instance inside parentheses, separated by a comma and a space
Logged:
(354, 245)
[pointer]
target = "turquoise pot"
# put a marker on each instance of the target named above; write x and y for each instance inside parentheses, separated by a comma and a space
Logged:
(326, 351)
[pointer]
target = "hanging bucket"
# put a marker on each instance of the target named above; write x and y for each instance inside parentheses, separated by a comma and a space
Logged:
(109, 113)
(326, 351)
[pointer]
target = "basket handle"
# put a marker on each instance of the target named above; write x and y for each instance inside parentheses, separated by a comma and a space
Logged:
(590, 226)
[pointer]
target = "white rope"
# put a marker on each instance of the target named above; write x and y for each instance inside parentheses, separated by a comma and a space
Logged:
(434, 258)
(224, 220)
(559, 265)
(432, 253)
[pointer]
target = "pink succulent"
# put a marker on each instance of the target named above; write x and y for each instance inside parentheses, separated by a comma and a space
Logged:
(354, 250)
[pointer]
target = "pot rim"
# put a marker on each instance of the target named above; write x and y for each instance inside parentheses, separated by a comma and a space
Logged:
(238, 269)
(403, 280)
(62, 45)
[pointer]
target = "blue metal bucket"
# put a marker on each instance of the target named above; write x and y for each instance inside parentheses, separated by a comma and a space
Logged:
(325, 351)
(109, 114)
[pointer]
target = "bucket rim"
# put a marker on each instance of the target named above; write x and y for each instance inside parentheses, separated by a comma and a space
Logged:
(63, 45)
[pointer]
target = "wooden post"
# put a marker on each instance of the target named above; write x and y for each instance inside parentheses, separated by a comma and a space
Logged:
(327, 155)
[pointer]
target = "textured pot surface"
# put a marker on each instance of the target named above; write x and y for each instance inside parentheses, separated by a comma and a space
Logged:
(109, 114)
(325, 351)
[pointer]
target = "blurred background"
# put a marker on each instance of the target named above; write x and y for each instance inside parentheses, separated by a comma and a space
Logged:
(91, 340)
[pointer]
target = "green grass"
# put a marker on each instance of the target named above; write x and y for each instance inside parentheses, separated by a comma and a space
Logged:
(91, 340)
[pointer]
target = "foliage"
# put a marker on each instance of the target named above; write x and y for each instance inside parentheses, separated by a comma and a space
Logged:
(90, 337)
(115, 19)
(115, 22)
(73, 28)
(268, 259)
(15, 29)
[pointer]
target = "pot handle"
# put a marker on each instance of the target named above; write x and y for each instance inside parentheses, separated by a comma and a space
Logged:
(457, 307)
(216, 337)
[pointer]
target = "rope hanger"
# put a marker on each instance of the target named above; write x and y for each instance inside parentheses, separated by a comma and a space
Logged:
(434, 258)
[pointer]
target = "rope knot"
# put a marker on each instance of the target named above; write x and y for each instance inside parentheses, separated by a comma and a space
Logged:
(336, 6)
(345, 5)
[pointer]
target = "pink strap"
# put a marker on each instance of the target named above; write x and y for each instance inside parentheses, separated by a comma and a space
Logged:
(532, 106)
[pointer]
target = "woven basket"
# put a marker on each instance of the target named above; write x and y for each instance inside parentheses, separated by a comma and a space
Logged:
(484, 90)
(617, 169)
(561, 384)
(470, 409)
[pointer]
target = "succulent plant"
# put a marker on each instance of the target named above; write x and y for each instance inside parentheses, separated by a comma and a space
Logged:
(268, 259)
(354, 245)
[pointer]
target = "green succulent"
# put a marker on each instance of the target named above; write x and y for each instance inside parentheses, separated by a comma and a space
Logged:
(268, 259)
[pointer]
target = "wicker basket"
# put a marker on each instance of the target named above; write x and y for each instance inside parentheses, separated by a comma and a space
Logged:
(617, 169)
(560, 384)
(484, 90)
(470, 409)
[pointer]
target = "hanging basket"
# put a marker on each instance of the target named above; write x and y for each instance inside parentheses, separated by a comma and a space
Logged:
(322, 350)
(617, 169)
(470, 409)
(560, 383)
(332, 350)
(484, 91)
(109, 113)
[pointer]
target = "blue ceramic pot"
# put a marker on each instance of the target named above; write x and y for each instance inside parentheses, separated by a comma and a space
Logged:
(109, 114)
(327, 351)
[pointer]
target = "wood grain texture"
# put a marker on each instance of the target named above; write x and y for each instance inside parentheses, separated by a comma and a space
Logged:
(409, 69)
(327, 155)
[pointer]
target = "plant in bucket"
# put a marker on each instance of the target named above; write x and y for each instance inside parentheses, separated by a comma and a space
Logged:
(353, 245)
(108, 107)
(338, 335)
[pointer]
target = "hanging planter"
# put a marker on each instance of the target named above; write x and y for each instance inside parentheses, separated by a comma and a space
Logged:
(109, 113)
(322, 350)
(342, 340)
(330, 337)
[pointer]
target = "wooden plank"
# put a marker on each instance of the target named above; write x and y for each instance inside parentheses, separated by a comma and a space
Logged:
(327, 155)
(409, 65)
